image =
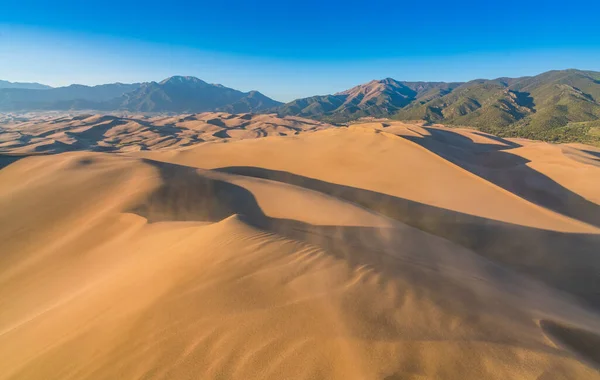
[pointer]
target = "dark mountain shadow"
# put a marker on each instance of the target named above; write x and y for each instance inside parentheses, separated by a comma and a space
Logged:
(187, 195)
(565, 261)
(495, 164)
(524, 99)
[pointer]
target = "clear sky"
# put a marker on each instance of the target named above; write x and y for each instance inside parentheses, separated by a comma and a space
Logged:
(290, 49)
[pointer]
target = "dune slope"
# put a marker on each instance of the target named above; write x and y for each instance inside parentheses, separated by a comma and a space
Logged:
(352, 253)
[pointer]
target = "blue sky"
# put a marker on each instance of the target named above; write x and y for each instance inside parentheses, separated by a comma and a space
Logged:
(291, 49)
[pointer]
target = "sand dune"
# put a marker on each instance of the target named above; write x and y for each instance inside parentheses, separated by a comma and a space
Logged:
(366, 158)
(111, 133)
(378, 251)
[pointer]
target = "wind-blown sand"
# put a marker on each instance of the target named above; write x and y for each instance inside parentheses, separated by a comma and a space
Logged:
(378, 251)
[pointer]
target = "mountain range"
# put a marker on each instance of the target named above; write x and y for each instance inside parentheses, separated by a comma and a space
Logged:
(177, 94)
(560, 105)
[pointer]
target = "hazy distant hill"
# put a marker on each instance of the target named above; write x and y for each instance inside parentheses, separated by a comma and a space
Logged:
(556, 106)
(75, 96)
(30, 86)
(175, 94)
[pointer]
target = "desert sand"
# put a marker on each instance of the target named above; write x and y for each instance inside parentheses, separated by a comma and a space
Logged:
(217, 246)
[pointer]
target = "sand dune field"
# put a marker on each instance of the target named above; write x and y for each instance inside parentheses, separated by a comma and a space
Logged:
(217, 246)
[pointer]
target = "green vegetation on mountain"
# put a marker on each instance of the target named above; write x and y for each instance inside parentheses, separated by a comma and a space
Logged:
(557, 106)
(376, 98)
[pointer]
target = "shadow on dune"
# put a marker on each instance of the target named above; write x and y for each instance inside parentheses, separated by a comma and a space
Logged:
(103, 123)
(187, 195)
(507, 143)
(222, 134)
(584, 343)
(167, 130)
(96, 131)
(566, 261)
(509, 171)
(218, 122)
(7, 159)
(91, 138)
(592, 153)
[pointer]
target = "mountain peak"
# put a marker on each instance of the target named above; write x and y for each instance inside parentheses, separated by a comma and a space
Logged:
(388, 81)
(254, 93)
(185, 94)
(373, 88)
(179, 79)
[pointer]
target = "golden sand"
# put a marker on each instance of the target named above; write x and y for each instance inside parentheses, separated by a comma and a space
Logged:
(190, 249)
